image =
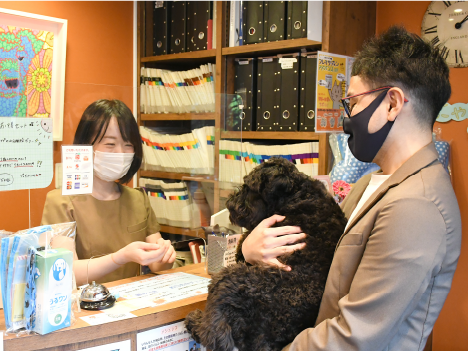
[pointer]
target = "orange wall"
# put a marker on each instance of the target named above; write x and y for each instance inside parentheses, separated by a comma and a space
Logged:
(99, 65)
(450, 329)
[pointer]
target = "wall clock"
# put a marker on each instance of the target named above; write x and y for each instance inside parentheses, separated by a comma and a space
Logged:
(445, 24)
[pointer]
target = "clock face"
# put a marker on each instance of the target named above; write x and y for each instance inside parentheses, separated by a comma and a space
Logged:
(445, 24)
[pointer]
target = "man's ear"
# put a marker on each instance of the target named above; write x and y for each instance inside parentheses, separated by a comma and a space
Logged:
(396, 99)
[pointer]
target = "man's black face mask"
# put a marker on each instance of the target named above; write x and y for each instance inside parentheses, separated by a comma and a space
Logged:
(362, 144)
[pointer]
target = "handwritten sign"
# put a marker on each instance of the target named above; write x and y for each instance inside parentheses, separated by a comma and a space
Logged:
(172, 337)
(333, 73)
(26, 153)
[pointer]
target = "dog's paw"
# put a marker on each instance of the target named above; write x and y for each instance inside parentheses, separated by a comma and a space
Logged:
(193, 322)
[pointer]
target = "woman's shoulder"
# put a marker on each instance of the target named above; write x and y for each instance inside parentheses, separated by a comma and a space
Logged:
(133, 193)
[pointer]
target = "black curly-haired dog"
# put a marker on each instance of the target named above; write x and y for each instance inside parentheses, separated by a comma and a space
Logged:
(260, 307)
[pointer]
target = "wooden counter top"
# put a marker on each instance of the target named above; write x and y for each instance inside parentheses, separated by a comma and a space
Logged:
(82, 335)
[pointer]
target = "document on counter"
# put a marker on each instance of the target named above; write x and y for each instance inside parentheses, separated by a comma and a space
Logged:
(163, 289)
(102, 318)
(116, 346)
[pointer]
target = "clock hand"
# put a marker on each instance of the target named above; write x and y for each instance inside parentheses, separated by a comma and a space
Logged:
(459, 24)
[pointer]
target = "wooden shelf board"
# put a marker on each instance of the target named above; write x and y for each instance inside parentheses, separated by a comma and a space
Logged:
(199, 233)
(225, 192)
(273, 47)
(270, 135)
(180, 176)
(182, 57)
(210, 116)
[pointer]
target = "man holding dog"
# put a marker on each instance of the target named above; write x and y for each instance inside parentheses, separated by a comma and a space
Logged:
(394, 264)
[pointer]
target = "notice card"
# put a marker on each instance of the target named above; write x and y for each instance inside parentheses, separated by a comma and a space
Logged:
(115, 346)
(77, 169)
(163, 289)
(26, 153)
(172, 337)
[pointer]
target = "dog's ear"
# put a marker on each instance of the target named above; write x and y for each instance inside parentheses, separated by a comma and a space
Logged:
(246, 208)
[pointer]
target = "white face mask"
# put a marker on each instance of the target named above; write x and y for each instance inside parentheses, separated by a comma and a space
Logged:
(110, 166)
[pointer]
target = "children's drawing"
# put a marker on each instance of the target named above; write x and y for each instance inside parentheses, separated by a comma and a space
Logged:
(336, 93)
(26, 57)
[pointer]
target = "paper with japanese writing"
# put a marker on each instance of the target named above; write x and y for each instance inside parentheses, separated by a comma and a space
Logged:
(229, 256)
(172, 337)
(77, 169)
(163, 289)
(333, 73)
(125, 345)
(102, 318)
(26, 153)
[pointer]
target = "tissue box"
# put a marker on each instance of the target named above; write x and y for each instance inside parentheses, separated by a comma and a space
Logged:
(53, 290)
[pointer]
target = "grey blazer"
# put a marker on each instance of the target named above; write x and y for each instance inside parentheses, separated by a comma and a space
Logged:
(393, 266)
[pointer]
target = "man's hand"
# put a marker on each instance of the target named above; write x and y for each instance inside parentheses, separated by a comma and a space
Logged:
(265, 244)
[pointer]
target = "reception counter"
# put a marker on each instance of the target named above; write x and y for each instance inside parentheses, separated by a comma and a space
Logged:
(82, 335)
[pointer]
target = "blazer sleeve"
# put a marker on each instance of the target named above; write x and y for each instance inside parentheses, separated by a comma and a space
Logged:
(406, 247)
(57, 209)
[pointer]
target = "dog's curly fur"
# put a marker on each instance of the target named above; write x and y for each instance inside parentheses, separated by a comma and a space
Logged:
(262, 308)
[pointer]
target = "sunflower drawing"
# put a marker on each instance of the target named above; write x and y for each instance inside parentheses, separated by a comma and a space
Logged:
(40, 84)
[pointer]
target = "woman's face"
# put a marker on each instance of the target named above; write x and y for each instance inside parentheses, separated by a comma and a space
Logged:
(112, 140)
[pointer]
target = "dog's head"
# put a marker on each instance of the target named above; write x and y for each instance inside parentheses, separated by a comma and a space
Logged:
(265, 191)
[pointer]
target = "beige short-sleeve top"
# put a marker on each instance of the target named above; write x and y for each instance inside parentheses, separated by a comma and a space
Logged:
(104, 227)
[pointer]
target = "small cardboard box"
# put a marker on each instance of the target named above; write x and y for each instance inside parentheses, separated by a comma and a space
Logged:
(54, 287)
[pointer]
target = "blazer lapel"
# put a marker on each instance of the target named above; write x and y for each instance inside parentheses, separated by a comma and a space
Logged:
(414, 164)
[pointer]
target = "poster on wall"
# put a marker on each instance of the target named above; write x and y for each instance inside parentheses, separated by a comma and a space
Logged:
(32, 67)
(333, 73)
(172, 337)
(77, 169)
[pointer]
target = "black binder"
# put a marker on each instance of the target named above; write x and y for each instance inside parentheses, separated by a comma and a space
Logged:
(242, 106)
(297, 20)
(252, 18)
(178, 26)
(161, 27)
(204, 14)
(288, 71)
(274, 19)
(307, 109)
(268, 94)
(191, 26)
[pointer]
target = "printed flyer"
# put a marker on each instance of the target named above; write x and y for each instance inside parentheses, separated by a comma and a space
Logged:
(77, 168)
(333, 73)
(172, 337)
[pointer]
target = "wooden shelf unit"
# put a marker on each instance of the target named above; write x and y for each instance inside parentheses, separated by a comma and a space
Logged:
(179, 176)
(274, 47)
(199, 232)
(310, 136)
(345, 26)
(209, 116)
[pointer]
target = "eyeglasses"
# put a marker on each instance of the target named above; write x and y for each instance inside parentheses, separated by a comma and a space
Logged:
(345, 101)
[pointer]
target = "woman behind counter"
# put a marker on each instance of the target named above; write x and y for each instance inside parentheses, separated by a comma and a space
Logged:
(114, 220)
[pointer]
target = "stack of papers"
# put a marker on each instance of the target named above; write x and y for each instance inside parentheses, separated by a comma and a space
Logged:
(191, 153)
(172, 203)
(163, 91)
(237, 159)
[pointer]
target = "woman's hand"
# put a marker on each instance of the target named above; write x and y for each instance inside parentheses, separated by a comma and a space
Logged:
(265, 244)
(146, 253)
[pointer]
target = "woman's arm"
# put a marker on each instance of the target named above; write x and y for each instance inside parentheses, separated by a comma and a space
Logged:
(265, 244)
(157, 255)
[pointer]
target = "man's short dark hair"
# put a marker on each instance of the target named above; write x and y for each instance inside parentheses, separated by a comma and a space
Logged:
(399, 58)
(94, 123)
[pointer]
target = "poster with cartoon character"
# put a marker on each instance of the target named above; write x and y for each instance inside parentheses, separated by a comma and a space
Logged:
(333, 73)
